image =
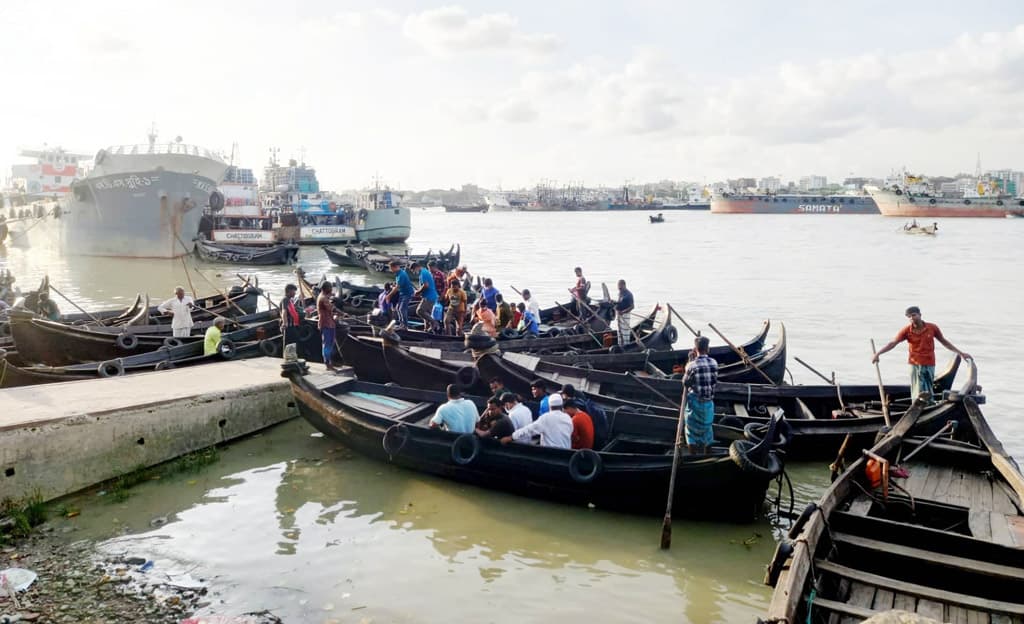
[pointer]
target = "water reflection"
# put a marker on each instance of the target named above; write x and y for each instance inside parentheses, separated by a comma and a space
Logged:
(323, 528)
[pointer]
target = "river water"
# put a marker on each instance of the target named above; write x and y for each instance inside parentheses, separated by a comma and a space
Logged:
(292, 522)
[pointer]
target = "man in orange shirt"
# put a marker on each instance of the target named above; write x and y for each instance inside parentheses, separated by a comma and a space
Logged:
(582, 425)
(920, 337)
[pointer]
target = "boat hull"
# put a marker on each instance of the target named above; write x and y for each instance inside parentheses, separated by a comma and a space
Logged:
(793, 204)
(150, 214)
(892, 204)
(387, 225)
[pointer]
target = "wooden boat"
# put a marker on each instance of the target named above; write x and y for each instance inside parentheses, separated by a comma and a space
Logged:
(944, 542)
(927, 230)
(380, 262)
(255, 255)
(818, 420)
(55, 344)
(659, 218)
(351, 257)
(630, 473)
(253, 341)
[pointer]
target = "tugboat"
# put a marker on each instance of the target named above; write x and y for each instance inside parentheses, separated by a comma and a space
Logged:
(380, 218)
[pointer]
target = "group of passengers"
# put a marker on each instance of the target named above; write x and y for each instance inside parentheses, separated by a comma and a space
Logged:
(564, 418)
(444, 302)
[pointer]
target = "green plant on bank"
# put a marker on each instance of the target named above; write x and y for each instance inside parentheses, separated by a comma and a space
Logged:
(22, 515)
(119, 488)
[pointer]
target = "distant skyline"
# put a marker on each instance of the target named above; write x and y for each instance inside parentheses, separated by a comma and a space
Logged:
(500, 94)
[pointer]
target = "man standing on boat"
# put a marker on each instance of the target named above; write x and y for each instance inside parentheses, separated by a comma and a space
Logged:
(402, 292)
(622, 309)
(579, 291)
(180, 305)
(699, 383)
(325, 322)
(920, 337)
(291, 320)
(428, 296)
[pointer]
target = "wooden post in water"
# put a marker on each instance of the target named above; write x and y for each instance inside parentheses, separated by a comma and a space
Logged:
(666, 523)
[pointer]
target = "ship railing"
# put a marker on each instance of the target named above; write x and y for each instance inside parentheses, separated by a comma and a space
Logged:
(165, 148)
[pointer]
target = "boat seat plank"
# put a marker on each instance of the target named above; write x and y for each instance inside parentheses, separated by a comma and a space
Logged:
(1001, 530)
(930, 608)
(861, 505)
(740, 410)
(855, 614)
(950, 561)
(923, 592)
(939, 484)
(915, 482)
(861, 595)
(980, 524)
(904, 602)
(883, 600)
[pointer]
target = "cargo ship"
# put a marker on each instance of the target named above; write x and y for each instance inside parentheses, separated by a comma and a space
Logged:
(141, 201)
(733, 203)
(912, 196)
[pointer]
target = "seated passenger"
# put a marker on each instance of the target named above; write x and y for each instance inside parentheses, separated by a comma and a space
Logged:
(582, 425)
(494, 423)
(457, 415)
(554, 427)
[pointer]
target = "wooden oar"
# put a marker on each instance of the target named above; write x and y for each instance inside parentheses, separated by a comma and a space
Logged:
(666, 523)
(652, 389)
(881, 387)
(682, 320)
(582, 324)
(743, 355)
(73, 303)
(247, 284)
(811, 368)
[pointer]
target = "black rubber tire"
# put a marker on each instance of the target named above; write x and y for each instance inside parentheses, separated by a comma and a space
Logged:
(467, 377)
(216, 200)
(580, 456)
(509, 334)
(271, 347)
(755, 431)
(346, 297)
(798, 524)
(783, 552)
(172, 342)
(735, 422)
(111, 368)
(554, 332)
(356, 301)
(739, 453)
(616, 349)
(671, 333)
(127, 341)
(465, 449)
(395, 438)
(227, 349)
(306, 332)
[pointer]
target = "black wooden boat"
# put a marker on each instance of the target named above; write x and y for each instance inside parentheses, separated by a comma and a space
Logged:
(943, 542)
(255, 255)
(238, 298)
(351, 257)
(379, 262)
(630, 473)
(252, 341)
(819, 422)
(55, 344)
(659, 218)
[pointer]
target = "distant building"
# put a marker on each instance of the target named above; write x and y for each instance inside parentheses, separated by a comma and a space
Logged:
(813, 182)
(1008, 181)
(740, 185)
(769, 184)
(856, 184)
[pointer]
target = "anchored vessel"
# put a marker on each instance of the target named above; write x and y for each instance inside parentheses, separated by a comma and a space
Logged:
(912, 196)
(770, 203)
(141, 201)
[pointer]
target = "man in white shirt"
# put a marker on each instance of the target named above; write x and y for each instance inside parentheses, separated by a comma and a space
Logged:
(519, 414)
(531, 304)
(180, 305)
(553, 426)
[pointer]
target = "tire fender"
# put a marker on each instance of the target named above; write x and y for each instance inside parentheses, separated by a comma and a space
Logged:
(740, 453)
(227, 349)
(395, 438)
(467, 376)
(111, 368)
(578, 465)
(270, 347)
(127, 341)
(671, 333)
(172, 342)
(465, 449)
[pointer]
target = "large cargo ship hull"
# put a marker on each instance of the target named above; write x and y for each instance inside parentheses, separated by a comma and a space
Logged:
(153, 214)
(894, 204)
(793, 204)
(385, 225)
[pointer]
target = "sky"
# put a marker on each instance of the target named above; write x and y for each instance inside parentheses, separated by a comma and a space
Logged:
(427, 95)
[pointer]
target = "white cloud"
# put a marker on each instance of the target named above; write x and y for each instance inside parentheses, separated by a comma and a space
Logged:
(451, 30)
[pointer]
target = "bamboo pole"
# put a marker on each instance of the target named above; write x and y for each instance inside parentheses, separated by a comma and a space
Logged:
(743, 355)
(666, 523)
(881, 388)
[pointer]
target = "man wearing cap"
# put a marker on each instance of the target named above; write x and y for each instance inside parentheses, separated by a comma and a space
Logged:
(920, 337)
(519, 414)
(554, 427)
(457, 415)
(402, 293)
(582, 425)
(700, 379)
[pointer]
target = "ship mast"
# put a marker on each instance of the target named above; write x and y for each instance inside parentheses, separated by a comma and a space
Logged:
(152, 137)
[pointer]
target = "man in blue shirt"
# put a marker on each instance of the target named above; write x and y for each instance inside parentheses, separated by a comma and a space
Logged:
(457, 415)
(428, 296)
(528, 324)
(622, 309)
(402, 292)
(539, 391)
(490, 295)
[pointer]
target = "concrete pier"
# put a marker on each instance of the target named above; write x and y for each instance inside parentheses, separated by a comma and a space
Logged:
(60, 438)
